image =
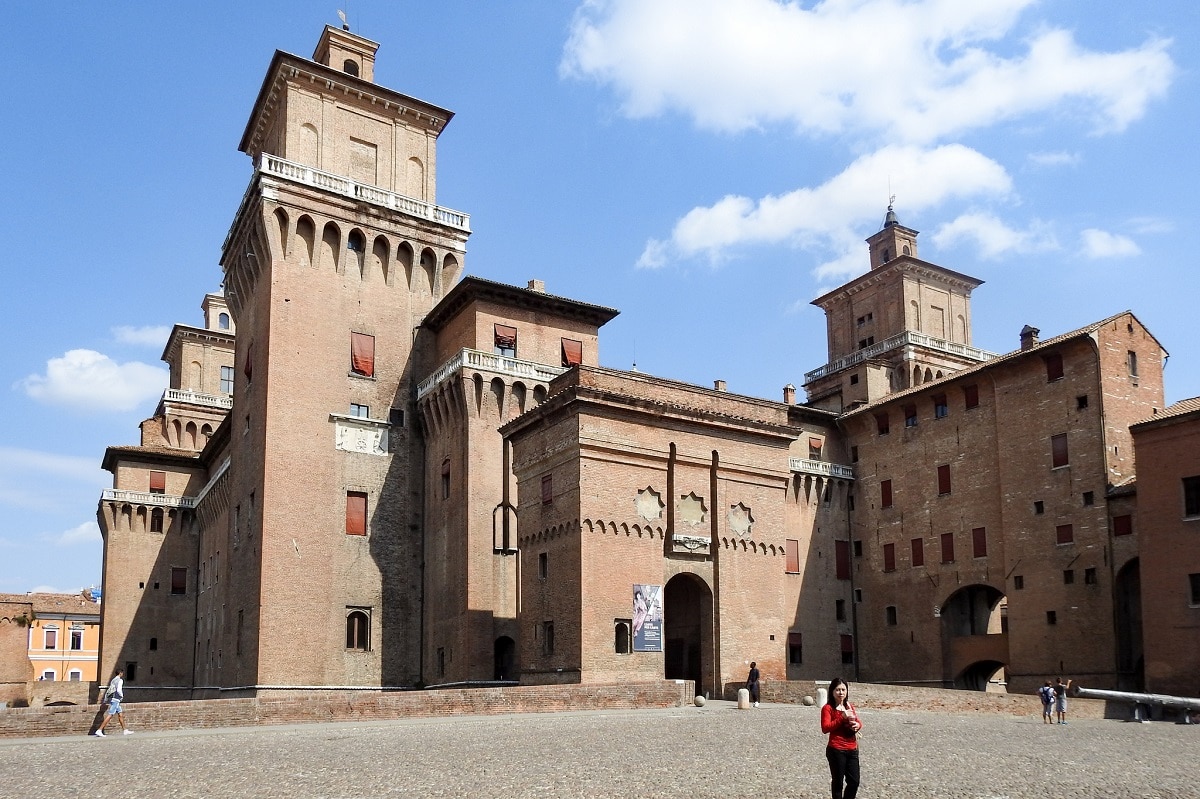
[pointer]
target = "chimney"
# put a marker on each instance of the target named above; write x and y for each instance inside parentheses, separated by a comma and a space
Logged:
(1029, 336)
(537, 285)
(719, 385)
(789, 394)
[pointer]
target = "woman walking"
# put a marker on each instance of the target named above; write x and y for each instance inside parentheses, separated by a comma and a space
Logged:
(839, 720)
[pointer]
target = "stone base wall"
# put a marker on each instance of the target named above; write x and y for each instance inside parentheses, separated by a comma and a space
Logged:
(346, 706)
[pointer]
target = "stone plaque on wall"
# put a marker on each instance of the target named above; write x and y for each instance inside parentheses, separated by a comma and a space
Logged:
(354, 436)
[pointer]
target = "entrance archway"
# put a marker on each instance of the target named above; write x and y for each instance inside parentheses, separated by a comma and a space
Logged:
(1131, 674)
(974, 638)
(505, 659)
(688, 631)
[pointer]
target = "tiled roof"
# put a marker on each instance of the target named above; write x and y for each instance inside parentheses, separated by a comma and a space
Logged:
(1181, 408)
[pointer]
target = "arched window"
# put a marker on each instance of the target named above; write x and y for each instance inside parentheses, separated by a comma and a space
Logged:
(621, 637)
(350, 67)
(156, 520)
(358, 630)
(223, 321)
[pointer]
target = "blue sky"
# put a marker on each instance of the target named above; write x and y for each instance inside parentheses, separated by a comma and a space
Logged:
(706, 167)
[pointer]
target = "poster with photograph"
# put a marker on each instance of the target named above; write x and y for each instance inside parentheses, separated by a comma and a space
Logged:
(647, 618)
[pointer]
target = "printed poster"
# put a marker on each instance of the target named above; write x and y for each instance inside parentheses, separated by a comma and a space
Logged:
(647, 618)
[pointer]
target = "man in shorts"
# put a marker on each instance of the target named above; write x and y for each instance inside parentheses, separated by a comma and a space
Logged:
(113, 697)
(1060, 699)
(1046, 694)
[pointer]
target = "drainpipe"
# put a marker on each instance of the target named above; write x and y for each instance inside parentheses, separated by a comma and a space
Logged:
(853, 599)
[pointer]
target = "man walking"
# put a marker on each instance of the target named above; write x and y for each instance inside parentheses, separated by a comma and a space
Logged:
(113, 697)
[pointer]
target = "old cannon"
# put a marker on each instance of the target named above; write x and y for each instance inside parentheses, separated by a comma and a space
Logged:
(1184, 704)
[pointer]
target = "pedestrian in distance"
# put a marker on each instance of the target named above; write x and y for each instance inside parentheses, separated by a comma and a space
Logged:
(752, 682)
(113, 697)
(1046, 694)
(1060, 699)
(840, 721)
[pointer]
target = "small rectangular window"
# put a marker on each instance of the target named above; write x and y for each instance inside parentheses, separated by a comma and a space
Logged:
(361, 411)
(543, 565)
(1194, 589)
(1068, 576)
(505, 341)
(814, 448)
(841, 551)
(1064, 534)
(1133, 366)
(839, 609)
(1054, 367)
(76, 640)
(396, 417)
(947, 547)
(940, 409)
(51, 638)
(1051, 617)
(1089, 498)
(792, 559)
(910, 415)
(847, 649)
(885, 493)
(795, 649)
(158, 482)
(547, 638)
(882, 425)
(1081, 402)
(979, 542)
(226, 379)
(356, 513)
(854, 379)
(1018, 582)
(889, 557)
(943, 479)
(858, 549)
(362, 354)
(1039, 507)
(850, 502)
(1123, 525)
(918, 551)
(1191, 496)
(1058, 451)
(572, 352)
(179, 580)
(854, 454)
(890, 615)
(1089, 576)
(547, 489)
(971, 397)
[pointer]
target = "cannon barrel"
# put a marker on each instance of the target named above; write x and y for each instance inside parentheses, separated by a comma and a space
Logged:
(1163, 700)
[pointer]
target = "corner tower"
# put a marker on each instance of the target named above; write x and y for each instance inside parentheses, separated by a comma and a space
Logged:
(902, 323)
(334, 257)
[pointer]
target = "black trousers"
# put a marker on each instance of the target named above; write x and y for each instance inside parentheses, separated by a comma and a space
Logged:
(843, 766)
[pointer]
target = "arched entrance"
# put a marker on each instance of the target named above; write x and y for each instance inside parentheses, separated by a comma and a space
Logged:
(505, 659)
(974, 638)
(688, 631)
(1127, 590)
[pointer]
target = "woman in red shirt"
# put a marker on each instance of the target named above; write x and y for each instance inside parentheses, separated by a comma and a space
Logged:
(840, 721)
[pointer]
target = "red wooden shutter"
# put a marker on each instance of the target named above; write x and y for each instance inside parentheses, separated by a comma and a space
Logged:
(1123, 525)
(1058, 450)
(356, 513)
(947, 547)
(572, 352)
(362, 354)
(918, 552)
(889, 557)
(793, 556)
(943, 477)
(158, 482)
(842, 559)
(979, 542)
(885, 493)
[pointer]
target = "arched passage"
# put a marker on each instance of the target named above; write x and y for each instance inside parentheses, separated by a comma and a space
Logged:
(688, 632)
(974, 638)
(1131, 674)
(505, 652)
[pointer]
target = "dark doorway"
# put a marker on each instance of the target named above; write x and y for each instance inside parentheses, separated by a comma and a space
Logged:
(974, 639)
(505, 659)
(1131, 674)
(688, 631)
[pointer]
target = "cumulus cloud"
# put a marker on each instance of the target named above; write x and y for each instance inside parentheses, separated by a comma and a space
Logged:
(992, 236)
(148, 336)
(86, 533)
(1102, 244)
(827, 215)
(89, 380)
(913, 71)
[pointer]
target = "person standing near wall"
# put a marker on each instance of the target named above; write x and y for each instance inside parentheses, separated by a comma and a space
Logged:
(113, 697)
(1060, 699)
(839, 720)
(752, 682)
(1046, 694)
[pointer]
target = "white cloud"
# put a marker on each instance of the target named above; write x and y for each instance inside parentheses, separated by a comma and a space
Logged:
(89, 380)
(148, 336)
(914, 71)
(1151, 224)
(1059, 158)
(827, 215)
(992, 237)
(86, 533)
(28, 462)
(1102, 244)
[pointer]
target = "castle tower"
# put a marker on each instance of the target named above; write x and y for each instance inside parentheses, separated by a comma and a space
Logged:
(333, 259)
(902, 323)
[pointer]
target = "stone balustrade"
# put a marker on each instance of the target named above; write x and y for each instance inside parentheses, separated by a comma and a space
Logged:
(489, 362)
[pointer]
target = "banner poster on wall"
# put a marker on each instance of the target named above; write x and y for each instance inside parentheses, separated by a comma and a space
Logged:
(647, 618)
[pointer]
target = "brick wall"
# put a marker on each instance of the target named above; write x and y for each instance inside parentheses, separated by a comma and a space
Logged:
(348, 706)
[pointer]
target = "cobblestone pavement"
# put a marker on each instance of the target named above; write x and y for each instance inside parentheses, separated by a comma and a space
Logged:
(716, 751)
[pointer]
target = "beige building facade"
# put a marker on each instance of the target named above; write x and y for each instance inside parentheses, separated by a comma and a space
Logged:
(370, 471)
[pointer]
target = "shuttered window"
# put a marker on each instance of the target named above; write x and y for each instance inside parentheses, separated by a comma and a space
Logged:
(356, 513)
(792, 548)
(572, 352)
(842, 559)
(158, 482)
(979, 542)
(362, 354)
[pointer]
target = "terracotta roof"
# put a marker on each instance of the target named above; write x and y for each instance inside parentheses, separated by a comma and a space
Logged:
(74, 604)
(1172, 412)
(1007, 357)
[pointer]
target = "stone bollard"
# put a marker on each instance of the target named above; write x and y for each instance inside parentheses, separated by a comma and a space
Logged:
(823, 691)
(743, 699)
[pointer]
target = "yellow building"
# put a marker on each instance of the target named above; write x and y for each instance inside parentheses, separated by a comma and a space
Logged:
(64, 637)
